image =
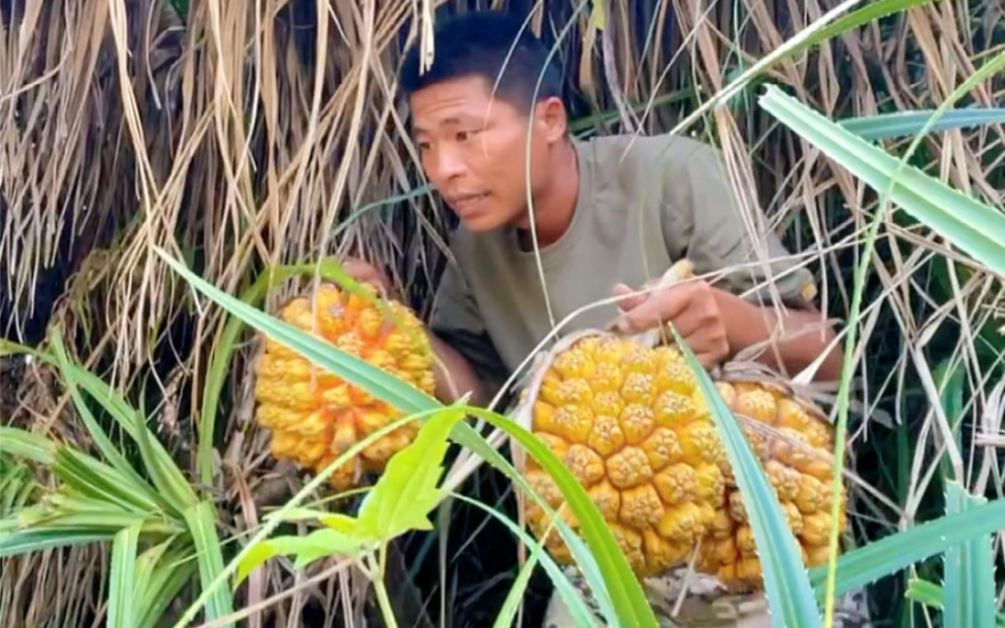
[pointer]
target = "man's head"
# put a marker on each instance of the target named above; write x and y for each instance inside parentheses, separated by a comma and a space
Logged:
(471, 111)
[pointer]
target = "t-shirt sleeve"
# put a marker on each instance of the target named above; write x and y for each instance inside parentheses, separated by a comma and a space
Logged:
(703, 220)
(456, 320)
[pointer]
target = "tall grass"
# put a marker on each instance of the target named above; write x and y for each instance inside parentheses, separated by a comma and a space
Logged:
(241, 136)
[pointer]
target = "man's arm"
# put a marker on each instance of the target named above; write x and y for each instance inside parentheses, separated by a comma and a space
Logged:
(454, 375)
(795, 338)
(704, 222)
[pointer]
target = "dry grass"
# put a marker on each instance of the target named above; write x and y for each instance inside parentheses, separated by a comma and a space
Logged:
(245, 136)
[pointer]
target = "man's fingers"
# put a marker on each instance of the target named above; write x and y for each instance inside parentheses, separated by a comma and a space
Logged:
(628, 299)
(660, 306)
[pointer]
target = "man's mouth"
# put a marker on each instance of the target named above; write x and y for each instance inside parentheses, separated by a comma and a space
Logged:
(460, 201)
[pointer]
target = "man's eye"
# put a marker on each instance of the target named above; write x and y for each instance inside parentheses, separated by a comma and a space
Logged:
(463, 136)
(423, 145)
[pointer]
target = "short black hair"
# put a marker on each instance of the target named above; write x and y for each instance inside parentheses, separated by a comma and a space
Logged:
(481, 43)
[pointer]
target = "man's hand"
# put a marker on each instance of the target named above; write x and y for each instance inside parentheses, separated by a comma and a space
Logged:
(692, 307)
(363, 272)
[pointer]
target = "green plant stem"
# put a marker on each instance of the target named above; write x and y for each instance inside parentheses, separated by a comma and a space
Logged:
(378, 585)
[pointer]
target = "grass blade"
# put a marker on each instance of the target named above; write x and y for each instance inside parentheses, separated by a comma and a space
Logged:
(969, 589)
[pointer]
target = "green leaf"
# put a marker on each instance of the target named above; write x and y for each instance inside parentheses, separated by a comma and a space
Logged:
(201, 520)
(407, 490)
(99, 481)
(122, 578)
(930, 594)
(901, 123)
(24, 444)
(887, 556)
(786, 583)
(307, 549)
(104, 444)
(33, 541)
(968, 224)
(969, 572)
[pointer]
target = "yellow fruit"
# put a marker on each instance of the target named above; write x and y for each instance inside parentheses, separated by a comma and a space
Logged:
(632, 426)
(314, 415)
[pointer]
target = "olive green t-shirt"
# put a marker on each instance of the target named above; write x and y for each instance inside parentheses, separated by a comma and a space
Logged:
(644, 202)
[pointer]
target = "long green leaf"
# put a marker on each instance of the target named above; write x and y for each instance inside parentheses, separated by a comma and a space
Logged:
(969, 572)
(104, 444)
(968, 224)
(122, 579)
(163, 583)
(901, 123)
(786, 583)
(201, 520)
(24, 444)
(89, 477)
(886, 556)
(30, 542)
(620, 582)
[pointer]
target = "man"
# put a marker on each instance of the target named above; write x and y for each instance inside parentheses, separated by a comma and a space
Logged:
(609, 215)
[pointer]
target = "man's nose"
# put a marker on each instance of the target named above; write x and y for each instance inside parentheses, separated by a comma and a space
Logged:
(447, 164)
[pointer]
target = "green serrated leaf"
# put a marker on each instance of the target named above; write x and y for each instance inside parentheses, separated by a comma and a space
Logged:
(968, 224)
(969, 572)
(786, 583)
(886, 556)
(901, 123)
(306, 549)
(407, 490)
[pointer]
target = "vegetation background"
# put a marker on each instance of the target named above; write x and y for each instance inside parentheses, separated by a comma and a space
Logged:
(241, 135)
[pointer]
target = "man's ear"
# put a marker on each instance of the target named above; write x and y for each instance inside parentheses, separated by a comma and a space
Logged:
(550, 115)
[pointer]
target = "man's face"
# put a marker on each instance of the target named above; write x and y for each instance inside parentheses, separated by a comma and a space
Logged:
(473, 150)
